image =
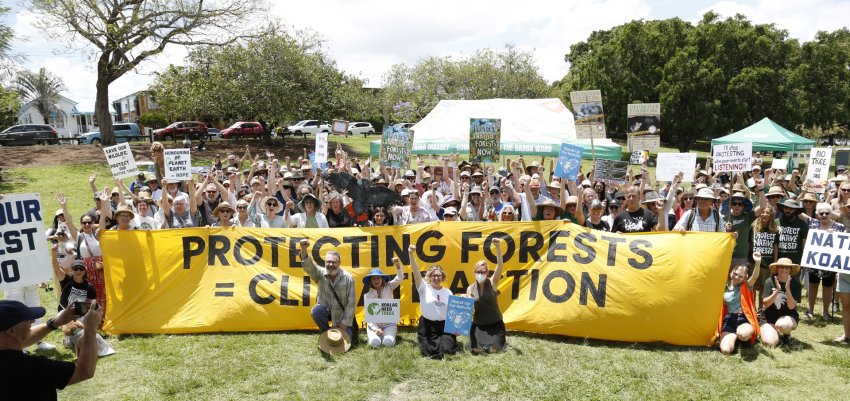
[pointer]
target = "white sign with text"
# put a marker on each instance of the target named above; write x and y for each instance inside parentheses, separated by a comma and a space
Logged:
(667, 165)
(178, 164)
(733, 157)
(121, 161)
(25, 258)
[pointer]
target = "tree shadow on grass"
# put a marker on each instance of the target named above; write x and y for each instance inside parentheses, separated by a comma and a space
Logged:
(648, 346)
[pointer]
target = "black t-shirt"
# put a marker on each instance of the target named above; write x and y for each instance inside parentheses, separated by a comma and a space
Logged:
(603, 226)
(792, 238)
(73, 291)
(32, 377)
(640, 221)
(343, 219)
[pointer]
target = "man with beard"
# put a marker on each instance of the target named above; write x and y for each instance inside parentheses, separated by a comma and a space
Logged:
(335, 300)
(792, 231)
(208, 196)
(634, 219)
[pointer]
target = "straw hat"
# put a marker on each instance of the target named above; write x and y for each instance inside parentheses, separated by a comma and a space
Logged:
(223, 206)
(334, 341)
(795, 268)
(558, 209)
(265, 200)
(123, 209)
(572, 200)
(839, 178)
(705, 193)
(809, 197)
(775, 190)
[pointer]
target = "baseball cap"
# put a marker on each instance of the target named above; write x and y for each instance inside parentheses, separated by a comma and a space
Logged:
(14, 312)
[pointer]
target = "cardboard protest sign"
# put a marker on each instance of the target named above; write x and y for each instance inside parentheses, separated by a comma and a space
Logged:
(321, 147)
(395, 147)
(817, 172)
(121, 161)
(733, 157)
(459, 315)
(611, 171)
(588, 113)
(652, 143)
(569, 161)
(178, 164)
(639, 157)
(644, 119)
(779, 164)
(827, 250)
(339, 127)
(484, 138)
(667, 165)
(381, 310)
(25, 257)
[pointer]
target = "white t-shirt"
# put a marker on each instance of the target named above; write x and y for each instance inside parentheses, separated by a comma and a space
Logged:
(89, 245)
(143, 223)
(433, 303)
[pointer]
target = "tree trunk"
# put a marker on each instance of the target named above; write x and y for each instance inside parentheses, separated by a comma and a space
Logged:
(101, 111)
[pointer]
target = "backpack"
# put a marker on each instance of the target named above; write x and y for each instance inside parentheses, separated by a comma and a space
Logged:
(693, 217)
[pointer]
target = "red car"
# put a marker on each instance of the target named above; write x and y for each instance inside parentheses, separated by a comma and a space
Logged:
(181, 130)
(242, 129)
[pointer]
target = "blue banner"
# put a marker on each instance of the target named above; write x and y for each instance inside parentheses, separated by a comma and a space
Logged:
(569, 161)
(459, 315)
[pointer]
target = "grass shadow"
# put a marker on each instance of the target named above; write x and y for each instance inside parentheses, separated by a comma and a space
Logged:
(833, 343)
(794, 345)
(647, 346)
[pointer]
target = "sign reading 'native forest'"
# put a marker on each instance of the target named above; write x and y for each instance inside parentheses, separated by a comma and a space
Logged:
(484, 139)
(589, 116)
(395, 147)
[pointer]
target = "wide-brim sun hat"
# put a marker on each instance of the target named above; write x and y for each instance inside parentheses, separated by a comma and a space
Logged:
(334, 341)
(795, 268)
(705, 193)
(309, 196)
(376, 272)
(748, 204)
(550, 203)
(123, 209)
(791, 203)
(277, 208)
(652, 197)
(223, 206)
(775, 190)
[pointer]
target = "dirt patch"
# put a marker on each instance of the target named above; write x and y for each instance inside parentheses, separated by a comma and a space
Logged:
(54, 155)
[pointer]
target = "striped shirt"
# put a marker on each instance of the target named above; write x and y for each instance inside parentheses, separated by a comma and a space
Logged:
(342, 285)
(707, 225)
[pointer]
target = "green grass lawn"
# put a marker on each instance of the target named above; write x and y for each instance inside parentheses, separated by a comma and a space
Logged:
(288, 366)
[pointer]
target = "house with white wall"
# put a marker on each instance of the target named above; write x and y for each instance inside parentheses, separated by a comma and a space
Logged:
(68, 121)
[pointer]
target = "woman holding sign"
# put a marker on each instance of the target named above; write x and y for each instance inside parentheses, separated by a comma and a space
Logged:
(488, 329)
(433, 304)
(381, 287)
(822, 221)
(738, 316)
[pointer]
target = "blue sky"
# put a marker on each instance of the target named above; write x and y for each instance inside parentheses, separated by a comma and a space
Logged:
(366, 37)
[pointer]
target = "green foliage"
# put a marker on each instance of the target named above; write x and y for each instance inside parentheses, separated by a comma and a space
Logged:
(714, 77)
(42, 89)
(154, 119)
(279, 78)
(10, 103)
(412, 91)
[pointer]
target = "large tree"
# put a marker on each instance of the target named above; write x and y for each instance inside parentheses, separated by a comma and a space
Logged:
(278, 77)
(125, 33)
(412, 91)
(41, 89)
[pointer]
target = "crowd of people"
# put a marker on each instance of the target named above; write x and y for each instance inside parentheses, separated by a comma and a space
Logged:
(768, 212)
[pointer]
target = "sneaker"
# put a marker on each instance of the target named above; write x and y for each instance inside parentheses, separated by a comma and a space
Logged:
(809, 315)
(43, 346)
(842, 339)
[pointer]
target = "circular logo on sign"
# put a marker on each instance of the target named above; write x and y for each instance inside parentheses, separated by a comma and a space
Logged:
(373, 308)
(600, 127)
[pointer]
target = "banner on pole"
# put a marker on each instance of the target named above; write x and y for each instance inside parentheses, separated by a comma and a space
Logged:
(652, 143)
(484, 140)
(569, 161)
(121, 161)
(644, 119)
(611, 171)
(817, 170)
(321, 153)
(395, 147)
(733, 157)
(588, 113)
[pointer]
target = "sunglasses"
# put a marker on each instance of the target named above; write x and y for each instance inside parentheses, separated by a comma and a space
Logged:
(79, 268)
(211, 192)
(737, 203)
(845, 190)
(226, 211)
(507, 213)
(688, 198)
(449, 215)
(271, 204)
(613, 207)
(824, 214)
(778, 196)
(241, 207)
(86, 223)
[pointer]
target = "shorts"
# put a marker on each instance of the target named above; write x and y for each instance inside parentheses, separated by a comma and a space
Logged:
(731, 322)
(817, 276)
(843, 283)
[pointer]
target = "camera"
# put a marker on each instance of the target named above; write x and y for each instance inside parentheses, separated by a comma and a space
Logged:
(81, 308)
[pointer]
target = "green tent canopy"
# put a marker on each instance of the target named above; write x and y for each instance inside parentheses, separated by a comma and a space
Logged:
(767, 136)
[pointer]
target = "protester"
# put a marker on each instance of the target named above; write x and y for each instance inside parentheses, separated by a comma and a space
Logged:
(704, 217)
(310, 217)
(781, 304)
(822, 221)
(433, 304)
(843, 292)
(487, 333)
(223, 215)
(412, 213)
(381, 287)
(267, 216)
(792, 231)
(335, 300)
(740, 218)
(738, 315)
(634, 218)
(765, 241)
(180, 211)
(595, 220)
(30, 377)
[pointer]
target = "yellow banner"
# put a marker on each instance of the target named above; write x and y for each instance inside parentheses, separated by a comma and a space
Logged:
(559, 278)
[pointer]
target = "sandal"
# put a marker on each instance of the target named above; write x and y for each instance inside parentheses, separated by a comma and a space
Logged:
(842, 339)
(827, 317)
(809, 314)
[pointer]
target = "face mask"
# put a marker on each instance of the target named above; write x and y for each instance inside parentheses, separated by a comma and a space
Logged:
(480, 277)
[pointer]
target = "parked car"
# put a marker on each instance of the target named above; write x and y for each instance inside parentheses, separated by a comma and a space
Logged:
(307, 127)
(124, 132)
(242, 129)
(180, 130)
(360, 128)
(215, 133)
(399, 126)
(28, 134)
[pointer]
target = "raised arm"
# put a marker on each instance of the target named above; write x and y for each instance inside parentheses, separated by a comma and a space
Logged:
(69, 220)
(497, 274)
(414, 267)
(532, 205)
(193, 203)
(92, 185)
(754, 278)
